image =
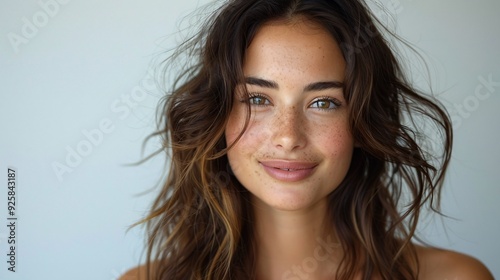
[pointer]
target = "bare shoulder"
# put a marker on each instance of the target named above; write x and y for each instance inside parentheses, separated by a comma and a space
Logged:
(442, 264)
(136, 273)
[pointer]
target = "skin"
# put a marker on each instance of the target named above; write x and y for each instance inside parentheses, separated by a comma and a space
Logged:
(292, 123)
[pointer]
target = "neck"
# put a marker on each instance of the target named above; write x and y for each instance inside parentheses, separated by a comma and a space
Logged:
(297, 244)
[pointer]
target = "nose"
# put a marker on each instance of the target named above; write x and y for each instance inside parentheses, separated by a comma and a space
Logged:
(289, 130)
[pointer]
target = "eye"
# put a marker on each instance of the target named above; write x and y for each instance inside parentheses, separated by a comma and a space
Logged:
(258, 100)
(325, 103)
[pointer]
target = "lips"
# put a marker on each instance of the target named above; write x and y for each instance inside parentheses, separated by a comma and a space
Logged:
(288, 171)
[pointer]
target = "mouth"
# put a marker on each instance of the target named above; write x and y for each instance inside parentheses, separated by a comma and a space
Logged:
(288, 171)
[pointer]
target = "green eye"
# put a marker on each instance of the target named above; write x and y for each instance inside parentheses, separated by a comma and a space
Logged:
(258, 100)
(325, 104)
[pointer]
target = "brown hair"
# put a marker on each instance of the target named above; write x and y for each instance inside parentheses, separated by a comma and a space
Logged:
(199, 226)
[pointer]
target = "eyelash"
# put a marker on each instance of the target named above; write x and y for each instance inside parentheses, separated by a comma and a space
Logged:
(334, 101)
(256, 95)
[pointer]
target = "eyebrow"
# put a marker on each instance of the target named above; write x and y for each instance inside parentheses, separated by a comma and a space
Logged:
(324, 85)
(318, 86)
(261, 83)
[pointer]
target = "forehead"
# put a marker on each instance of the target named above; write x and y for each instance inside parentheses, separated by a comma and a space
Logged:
(299, 48)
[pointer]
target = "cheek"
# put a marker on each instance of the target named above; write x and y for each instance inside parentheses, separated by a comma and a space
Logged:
(249, 143)
(235, 125)
(242, 155)
(337, 140)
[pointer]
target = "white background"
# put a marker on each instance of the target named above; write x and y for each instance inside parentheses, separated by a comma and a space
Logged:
(78, 66)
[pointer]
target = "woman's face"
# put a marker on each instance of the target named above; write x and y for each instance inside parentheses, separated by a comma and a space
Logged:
(298, 146)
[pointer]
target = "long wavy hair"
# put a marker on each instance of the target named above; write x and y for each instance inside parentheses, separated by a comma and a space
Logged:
(200, 225)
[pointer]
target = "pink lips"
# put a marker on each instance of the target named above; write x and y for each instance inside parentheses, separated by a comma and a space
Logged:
(288, 171)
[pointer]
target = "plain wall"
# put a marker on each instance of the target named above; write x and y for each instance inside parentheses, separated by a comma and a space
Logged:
(80, 81)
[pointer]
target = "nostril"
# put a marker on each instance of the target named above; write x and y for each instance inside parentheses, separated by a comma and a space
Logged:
(288, 134)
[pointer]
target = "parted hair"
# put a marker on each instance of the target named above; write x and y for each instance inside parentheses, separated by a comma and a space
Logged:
(200, 225)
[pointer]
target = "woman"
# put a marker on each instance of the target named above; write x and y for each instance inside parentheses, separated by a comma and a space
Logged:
(295, 155)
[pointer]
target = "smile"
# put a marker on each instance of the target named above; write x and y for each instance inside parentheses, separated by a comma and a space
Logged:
(288, 171)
